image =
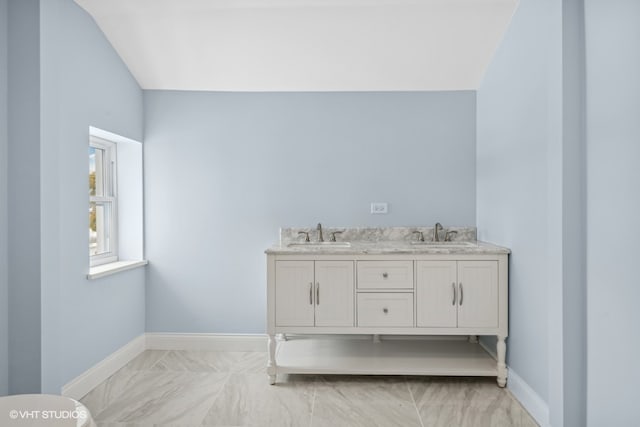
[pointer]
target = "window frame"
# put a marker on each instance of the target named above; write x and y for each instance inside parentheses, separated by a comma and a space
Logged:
(110, 178)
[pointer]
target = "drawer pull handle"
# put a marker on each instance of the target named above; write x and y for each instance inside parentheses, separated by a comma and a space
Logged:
(453, 286)
(385, 275)
(461, 293)
(318, 293)
(310, 293)
(385, 310)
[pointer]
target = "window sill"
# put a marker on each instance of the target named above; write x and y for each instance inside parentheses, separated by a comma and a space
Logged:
(114, 267)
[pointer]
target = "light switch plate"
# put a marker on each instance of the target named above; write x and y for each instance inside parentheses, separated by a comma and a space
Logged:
(378, 208)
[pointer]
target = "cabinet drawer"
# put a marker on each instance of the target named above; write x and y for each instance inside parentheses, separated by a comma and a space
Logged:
(385, 274)
(385, 309)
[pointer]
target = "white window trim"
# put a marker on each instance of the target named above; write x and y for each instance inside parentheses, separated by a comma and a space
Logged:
(110, 150)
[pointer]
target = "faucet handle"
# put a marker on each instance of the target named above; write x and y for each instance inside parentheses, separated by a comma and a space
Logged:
(306, 233)
(447, 236)
(333, 235)
(420, 235)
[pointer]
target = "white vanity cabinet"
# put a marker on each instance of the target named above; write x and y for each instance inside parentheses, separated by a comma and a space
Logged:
(417, 312)
(457, 294)
(314, 293)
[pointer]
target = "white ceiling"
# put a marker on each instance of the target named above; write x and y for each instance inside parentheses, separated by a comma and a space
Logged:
(304, 45)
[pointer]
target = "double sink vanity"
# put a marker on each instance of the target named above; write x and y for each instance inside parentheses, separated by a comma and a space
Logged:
(386, 301)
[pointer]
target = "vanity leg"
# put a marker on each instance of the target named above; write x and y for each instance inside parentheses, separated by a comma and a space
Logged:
(502, 367)
(271, 364)
(473, 339)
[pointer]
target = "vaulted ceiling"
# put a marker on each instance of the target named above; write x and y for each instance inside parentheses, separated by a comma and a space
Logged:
(304, 45)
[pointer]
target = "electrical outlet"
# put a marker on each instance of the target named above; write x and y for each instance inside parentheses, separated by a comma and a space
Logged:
(378, 208)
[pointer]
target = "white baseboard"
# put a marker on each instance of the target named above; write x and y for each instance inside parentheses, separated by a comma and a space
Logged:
(532, 402)
(92, 377)
(206, 342)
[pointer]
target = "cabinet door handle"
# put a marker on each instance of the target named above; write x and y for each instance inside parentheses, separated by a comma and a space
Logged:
(385, 310)
(461, 293)
(318, 293)
(453, 286)
(385, 275)
(310, 293)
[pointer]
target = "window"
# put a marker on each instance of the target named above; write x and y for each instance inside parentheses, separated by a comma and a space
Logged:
(103, 202)
(116, 209)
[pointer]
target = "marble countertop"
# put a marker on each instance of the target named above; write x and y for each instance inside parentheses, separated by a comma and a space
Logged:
(389, 247)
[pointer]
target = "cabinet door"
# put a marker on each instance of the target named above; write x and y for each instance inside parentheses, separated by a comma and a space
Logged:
(294, 293)
(478, 298)
(436, 289)
(334, 293)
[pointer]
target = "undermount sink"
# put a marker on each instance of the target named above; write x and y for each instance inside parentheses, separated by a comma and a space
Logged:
(446, 244)
(321, 244)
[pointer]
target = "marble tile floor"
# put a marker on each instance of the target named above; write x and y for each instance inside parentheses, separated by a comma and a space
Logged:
(189, 388)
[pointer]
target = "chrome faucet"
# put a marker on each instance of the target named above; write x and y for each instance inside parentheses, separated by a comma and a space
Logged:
(448, 234)
(437, 228)
(319, 228)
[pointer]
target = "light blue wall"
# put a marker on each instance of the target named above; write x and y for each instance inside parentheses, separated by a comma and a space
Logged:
(84, 83)
(224, 171)
(515, 102)
(4, 290)
(531, 197)
(613, 210)
(24, 197)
